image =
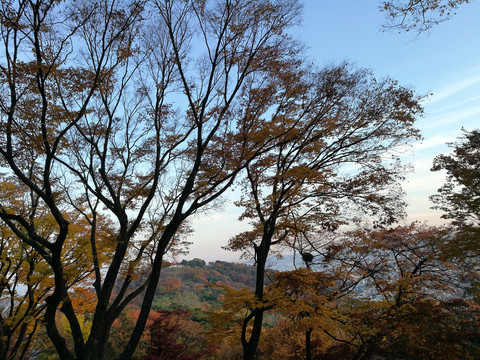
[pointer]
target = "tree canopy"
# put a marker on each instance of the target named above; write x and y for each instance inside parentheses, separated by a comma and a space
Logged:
(341, 167)
(418, 15)
(135, 112)
(459, 197)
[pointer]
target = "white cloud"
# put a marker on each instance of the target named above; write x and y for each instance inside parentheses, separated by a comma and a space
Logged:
(450, 106)
(437, 140)
(209, 218)
(470, 79)
(464, 115)
(431, 216)
(423, 182)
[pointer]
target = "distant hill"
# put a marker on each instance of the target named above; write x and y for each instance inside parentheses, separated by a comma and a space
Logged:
(192, 284)
(285, 263)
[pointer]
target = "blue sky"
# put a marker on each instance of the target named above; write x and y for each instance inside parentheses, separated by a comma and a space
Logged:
(444, 63)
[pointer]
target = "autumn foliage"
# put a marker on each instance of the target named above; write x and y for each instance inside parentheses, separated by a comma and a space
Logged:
(174, 336)
(120, 120)
(392, 293)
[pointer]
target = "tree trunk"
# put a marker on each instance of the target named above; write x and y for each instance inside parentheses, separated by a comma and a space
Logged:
(308, 345)
(250, 346)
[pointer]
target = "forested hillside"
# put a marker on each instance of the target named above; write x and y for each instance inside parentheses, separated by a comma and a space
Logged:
(195, 285)
(381, 294)
(188, 297)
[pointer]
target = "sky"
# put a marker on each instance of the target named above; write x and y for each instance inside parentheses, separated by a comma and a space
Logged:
(443, 64)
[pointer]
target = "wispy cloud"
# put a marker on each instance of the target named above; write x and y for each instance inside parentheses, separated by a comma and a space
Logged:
(442, 140)
(462, 102)
(464, 117)
(433, 142)
(217, 217)
(471, 78)
(431, 216)
(424, 182)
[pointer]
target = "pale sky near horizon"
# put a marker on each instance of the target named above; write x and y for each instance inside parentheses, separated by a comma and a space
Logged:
(444, 63)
